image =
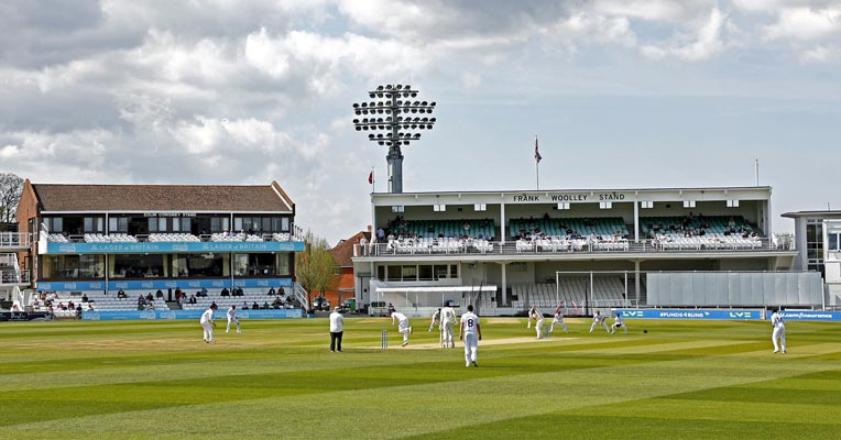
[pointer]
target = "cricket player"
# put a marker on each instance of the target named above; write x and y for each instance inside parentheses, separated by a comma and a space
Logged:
(471, 333)
(533, 312)
(599, 320)
(538, 325)
(448, 320)
(207, 324)
(778, 336)
(618, 323)
(402, 325)
(232, 318)
(558, 320)
(435, 317)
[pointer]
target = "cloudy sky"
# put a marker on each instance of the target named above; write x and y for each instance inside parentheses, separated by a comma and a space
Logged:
(623, 93)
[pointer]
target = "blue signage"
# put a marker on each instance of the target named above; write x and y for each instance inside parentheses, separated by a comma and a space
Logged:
(807, 315)
(154, 315)
(214, 283)
(175, 247)
(726, 314)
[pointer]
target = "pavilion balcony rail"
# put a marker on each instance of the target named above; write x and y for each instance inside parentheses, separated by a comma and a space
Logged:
(15, 240)
(564, 247)
(173, 237)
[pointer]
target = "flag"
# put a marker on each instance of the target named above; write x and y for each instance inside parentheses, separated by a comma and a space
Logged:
(371, 178)
(537, 156)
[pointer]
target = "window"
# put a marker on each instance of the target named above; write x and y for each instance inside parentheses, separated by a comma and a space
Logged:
(381, 273)
(480, 207)
(647, 204)
(118, 224)
(394, 273)
(284, 266)
(439, 208)
(186, 224)
(137, 266)
(199, 265)
(688, 203)
(814, 245)
(605, 205)
(267, 224)
(563, 206)
(93, 224)
(73, 266)
(162, 224)
(238, 224)
(176, 225)
(454, 271)
(255, 265)
(732, 203)
(284, 224)
(425, 272)
(440, 271)
(54, 224)
(153, 224)
(410, 273)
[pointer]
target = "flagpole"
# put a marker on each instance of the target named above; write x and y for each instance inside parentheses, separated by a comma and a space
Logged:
(537, 174)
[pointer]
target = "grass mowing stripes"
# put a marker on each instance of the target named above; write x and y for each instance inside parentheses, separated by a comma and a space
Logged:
(123, 380)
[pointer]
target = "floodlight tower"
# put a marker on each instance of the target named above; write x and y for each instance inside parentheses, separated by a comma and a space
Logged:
(390, 116)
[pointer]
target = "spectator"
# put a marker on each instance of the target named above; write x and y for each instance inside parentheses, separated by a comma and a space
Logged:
(255, 305)
(79, 311)
(266, 305)
(84, 297)
(272, 292)
(226, 292)
(140, 302)
(149, 297)
(159, 294)
(121, 294)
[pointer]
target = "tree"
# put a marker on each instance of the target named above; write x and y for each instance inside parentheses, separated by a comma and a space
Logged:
(11, 187)
(315, 267)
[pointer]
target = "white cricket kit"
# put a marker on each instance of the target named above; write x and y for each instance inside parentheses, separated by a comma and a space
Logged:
(448, 319)
(402, 325)
(558, 320)
(206, 322)
(538, 325)
(618, 322)
(470, 328)
(435, 316)
(778, 336)
(599, 320)
(232, 318)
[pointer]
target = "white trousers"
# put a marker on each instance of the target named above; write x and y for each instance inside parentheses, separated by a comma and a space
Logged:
(471, 347)
(235, 321)
(596, 323)
(208, 331)
(447, 332)
(560, 322)
(404, 328)
(624, 326)
(538, 327)
(779, 338)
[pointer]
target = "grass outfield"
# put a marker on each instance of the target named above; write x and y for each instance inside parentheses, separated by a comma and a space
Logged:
(126, 380)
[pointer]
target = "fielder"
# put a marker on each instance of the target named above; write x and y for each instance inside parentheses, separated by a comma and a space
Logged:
(471, 333)
(778, 336)
(618, 322)
(435, 316)
(538, 325)
(558, 320)
(448, 319)
(207, 324)
(402, 325)
(599, 320)
(533, 313)
(232, 318)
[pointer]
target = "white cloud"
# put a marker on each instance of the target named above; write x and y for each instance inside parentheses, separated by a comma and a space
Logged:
(706, 43)
(805, 23)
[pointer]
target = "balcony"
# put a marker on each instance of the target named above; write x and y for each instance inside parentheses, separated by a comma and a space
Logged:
(169, 243)
(560, 248)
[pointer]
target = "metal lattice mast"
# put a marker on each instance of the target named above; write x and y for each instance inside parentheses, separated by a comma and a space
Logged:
(390, 117)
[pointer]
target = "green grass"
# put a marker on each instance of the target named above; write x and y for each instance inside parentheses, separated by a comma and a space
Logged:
(126, 380)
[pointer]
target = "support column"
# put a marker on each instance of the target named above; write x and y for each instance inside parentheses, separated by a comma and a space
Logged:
(637, 281)
(502, 223)
(504, 284)
(636, 221)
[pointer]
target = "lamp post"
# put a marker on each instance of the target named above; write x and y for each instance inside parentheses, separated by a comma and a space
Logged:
(392, 118)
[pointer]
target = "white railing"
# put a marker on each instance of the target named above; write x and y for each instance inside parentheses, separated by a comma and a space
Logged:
(301, 295)
(560, 247)
(15, 240)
